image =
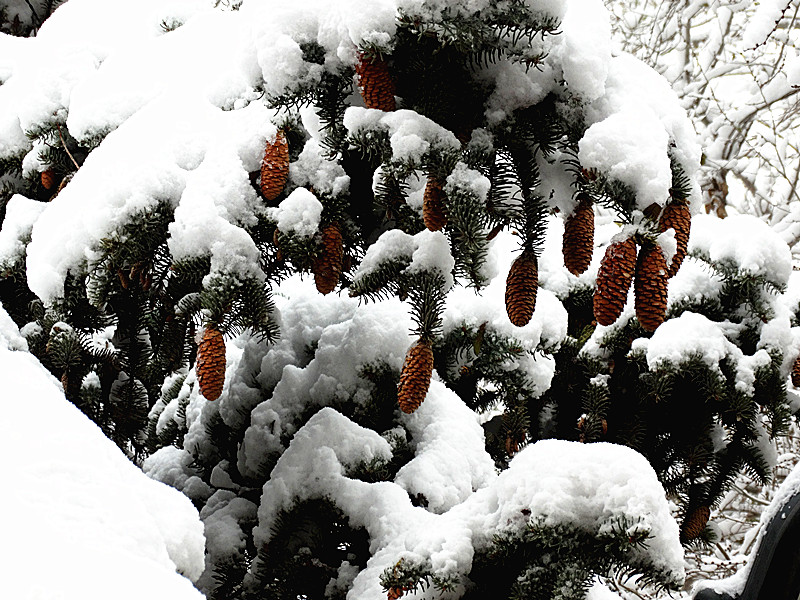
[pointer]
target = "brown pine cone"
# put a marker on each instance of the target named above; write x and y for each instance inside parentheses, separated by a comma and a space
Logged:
(796, 372)
(375, 83)
(415, 378)
(327, 266)
(676, 216)
(578, 242)
(614, 281)
(210, 365)
(48, 178)
(694, 523)
(275, 167)
(522, 284)
(651, 287)
(433, 213)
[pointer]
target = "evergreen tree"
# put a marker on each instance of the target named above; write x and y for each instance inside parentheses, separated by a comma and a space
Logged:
(436, 169)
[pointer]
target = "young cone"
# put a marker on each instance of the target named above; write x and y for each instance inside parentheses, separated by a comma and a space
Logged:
(676, 216)
(522, 284)
(415, 378)
(694, 523)
(48, 177)
(210, 365)
(578, 241)
(796, 372)
(651, 287)
(275, 167)
(327, 266)
(433, 213)
(375, 83)
(614, 281)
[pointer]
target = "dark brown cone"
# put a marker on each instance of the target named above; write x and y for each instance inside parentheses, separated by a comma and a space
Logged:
(694, 523)
(578, 242)
(210, 365)
(522, 284)
(614, 281)
(433, 213)
(415, 378)
(375, 83)
(275, 167)
(796, 372)
(48, 179)
(651, 287)
(676, 216)
(327, 266)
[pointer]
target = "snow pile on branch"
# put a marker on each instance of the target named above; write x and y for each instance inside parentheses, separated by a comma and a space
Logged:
(72, 491)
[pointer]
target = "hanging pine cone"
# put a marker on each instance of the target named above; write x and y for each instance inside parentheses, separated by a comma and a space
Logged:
(433, 213)
(375, 83)
(614, 281)
(796, 372)
(578, 242)
(415, 378)
(210, 365)
(651, 287)
(48, 178)
(694, 523)
(676, 216)
(275, 167)
(327, 266)
(522, 284)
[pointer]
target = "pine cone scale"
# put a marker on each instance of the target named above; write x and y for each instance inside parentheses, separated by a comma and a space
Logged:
(676, 215)
(327, 266)
(275, 167)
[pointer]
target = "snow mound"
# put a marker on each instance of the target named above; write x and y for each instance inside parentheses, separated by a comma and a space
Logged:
(104, 523)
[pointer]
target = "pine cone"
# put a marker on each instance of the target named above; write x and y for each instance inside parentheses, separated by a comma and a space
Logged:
(676, 216)
(522, 284)
(48, 177)
(651, 287)
(275, 167)
(433, 213)
(694, 523)
(578, 241)
(415, 378)
(327, 266)
(210, 365)
(796, 372)
(375, 83)
(614, 281)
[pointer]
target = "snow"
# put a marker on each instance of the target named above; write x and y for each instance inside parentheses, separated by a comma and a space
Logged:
(425, 251)
(745, 243)
(73, 492)
(21, 213)
(312, 169)
(586, 48)
(298, 214)
(411, 135)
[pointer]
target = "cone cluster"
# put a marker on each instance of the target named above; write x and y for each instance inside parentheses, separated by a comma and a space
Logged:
(676, 216)
(327, 266)
(522, 284)
(210, 365)
(694, 523)
(578, 241)
(433, 213)
(375, 83)
(651, 287)
(796, 372)
(415, 378)
(614, 280)
(275, 167)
